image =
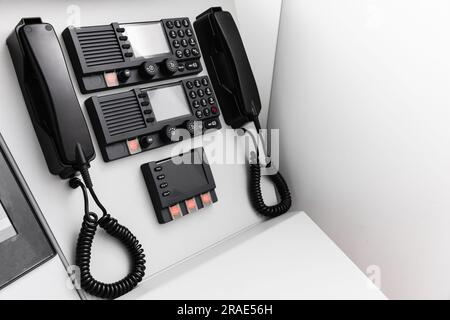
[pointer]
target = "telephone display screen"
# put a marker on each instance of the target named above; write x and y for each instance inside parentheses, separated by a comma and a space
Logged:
(169, 102)
(6, 228)
(147, 39)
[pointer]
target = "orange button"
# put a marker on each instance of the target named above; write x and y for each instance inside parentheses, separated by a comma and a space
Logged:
(206, 199)
(175, 211)
(111, 79)
(191, 205)
(134, 146)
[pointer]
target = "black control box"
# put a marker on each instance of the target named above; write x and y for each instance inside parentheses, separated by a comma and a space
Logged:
(118, 55)
(143, 119)
(181, 185)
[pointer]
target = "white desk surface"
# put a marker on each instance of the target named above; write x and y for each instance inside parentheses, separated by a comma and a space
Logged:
(285, 258)
(46, 282)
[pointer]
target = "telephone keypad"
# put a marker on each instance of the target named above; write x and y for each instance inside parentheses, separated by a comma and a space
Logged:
(202, 99)
(182, 35)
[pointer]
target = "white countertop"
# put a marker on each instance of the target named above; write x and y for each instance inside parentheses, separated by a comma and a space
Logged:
(285, 258)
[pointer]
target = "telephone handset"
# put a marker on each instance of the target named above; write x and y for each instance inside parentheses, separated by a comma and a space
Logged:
(50, 97)
(237, 93)
(66, 143)
(228, 66)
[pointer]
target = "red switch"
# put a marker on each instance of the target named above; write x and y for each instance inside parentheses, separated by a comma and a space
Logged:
(206, 199)
(111, 79)
(191, 205)
(175, 211)
(134, 146)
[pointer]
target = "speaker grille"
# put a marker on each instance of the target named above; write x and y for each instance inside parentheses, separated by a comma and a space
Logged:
(100, 47)
(122, 115)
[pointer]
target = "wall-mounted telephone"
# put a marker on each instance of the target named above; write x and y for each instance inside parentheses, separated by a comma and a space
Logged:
(49, 95)
(228, 66)
(66, 143)
(141, 119)
(123, 54)
(144, 119)
(237, 92)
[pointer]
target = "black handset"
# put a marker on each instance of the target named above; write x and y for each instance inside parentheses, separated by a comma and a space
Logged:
(237, 93)
(65, 140)
(228, 66)
(49, 95)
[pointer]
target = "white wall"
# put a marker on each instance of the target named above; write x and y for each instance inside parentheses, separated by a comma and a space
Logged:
(361, 90)
(258, 22)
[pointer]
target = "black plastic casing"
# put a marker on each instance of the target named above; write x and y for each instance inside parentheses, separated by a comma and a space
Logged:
(120, 117)
(228, 66)
(95, 50)
(174, 173)
(49, 95)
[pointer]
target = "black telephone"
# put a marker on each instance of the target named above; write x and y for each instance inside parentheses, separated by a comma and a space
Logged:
(49, 95)
(237, 92)
(228, 66)
(66, 143)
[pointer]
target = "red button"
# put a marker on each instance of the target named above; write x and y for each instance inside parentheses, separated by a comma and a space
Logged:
(133, 146)
(206, 199)
(191, 204)
(111, 79)
(214, 109)
(175, 211)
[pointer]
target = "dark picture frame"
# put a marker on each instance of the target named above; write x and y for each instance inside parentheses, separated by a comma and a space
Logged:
(31, 246)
